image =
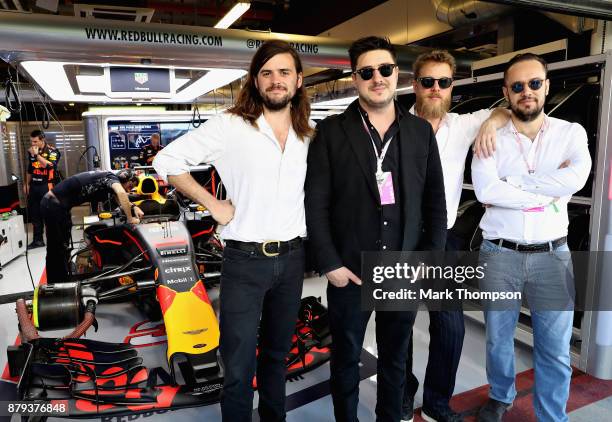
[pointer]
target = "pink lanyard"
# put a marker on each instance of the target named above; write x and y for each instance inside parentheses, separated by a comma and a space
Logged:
(538, 139)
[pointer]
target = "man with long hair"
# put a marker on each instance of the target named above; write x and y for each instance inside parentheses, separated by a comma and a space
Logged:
(259, 148)
(374, 144)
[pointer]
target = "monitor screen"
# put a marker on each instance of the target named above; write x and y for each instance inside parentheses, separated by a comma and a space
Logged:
(127, 138)
(133, 79)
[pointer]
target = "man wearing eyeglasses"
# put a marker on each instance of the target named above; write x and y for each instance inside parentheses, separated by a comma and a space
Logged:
(455, 134)
(374, 183)
(545, 161)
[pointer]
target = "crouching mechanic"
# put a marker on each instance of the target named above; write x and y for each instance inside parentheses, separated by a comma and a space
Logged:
(84, 187)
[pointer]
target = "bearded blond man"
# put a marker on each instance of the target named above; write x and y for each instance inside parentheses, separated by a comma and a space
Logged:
(455, 134)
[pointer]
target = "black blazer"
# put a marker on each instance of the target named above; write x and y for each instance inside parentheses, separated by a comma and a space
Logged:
(342, 199)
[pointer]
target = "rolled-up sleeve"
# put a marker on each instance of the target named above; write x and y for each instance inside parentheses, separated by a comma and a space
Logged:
(205, 144)
(471, 122)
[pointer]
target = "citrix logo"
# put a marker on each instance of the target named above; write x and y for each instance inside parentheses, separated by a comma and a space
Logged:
(173, 270)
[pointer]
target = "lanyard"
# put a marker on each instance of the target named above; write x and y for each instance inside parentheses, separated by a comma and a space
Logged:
(379, 158)
(538, 140)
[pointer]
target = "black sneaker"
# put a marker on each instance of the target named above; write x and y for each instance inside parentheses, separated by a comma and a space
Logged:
(36, 244)
(408, 410)
(440, 415)
(493, 411)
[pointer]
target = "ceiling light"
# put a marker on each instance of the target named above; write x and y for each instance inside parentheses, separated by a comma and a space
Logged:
(215, 78)
(177, 83)
(92, 84)
(233, 15)
(338, 101)
(96, 88)
(405, 90)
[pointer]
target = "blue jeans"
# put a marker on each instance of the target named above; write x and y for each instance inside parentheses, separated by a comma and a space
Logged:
(543, 278)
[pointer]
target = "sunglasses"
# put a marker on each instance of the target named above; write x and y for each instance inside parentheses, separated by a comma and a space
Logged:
(367, 73)
(428, 82)
(534, 85)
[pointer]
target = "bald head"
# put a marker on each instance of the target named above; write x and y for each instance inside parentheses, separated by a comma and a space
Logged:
(155, 140)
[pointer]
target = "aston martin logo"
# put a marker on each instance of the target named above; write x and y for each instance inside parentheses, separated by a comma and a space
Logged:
(141, 77)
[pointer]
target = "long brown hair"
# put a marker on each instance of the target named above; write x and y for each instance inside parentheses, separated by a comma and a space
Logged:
(249, 104)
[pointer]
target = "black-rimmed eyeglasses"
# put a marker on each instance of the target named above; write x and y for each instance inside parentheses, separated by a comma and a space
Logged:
(385, 70)
(428, 82)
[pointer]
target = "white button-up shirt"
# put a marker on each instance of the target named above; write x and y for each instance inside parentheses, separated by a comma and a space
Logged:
(522, 208)
(264, 183)
(455, 135)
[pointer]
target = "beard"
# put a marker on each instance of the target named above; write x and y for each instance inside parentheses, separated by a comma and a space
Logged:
(430, 110)
(527, 116)
(277, 103)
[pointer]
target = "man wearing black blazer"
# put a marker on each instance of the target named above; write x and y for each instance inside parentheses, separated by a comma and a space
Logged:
(375, 142)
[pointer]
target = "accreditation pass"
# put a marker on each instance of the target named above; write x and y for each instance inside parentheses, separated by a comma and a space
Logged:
(34, 408)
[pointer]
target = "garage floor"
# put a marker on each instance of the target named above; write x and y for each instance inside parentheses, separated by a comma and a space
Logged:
(308, 398)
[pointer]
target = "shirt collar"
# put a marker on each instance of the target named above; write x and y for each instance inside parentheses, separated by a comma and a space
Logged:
(262, 123)
(266, 129)
(510, 128)
(398, 111)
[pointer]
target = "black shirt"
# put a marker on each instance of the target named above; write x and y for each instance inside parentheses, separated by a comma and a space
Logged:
(44, 175)
(391, 227)
(90, 186)
(148, 153)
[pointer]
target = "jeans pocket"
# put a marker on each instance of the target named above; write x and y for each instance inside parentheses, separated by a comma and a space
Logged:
(489, 248)
(562, 253)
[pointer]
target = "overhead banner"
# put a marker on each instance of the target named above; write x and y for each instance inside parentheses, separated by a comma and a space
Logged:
(106, 34)
(26, 37)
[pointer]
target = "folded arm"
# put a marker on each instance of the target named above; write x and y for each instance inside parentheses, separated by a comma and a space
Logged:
(491, 190)
(566, 180)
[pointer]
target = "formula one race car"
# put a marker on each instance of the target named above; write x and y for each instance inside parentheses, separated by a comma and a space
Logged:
(153, 264)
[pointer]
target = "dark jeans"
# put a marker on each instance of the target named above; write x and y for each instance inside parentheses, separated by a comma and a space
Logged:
(58, 223)
(35, 195)
(257, 293)
(348, 325)
(446, 333)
